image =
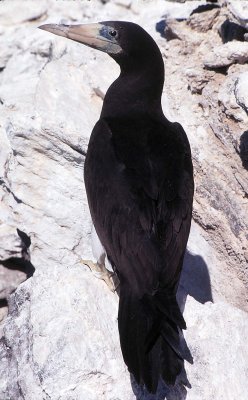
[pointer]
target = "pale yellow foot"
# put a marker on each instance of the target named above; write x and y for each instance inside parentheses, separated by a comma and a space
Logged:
(101, 272)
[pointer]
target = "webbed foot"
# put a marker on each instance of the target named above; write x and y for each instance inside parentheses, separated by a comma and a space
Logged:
(101, 272)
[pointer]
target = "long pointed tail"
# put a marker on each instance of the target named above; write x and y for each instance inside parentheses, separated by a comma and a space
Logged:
(149, 337)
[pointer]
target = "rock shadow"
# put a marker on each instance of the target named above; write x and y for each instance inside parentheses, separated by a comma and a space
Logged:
(3, 303)
(19, 264)
(195, 281)
(243, 149)
(230, 31)
(22, 264)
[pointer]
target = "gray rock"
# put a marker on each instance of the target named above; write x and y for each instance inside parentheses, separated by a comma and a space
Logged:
(240, 11)
(232, 31)
(241, 91)
(5, 54)
(215, 333)
(198, 79)
(202, 22)
(11, 244)
(30, 13)
(227, 54)
(229, 98)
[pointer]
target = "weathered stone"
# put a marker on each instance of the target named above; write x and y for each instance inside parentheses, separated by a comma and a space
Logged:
(197, 79)
(60, 338)
(232, 31)
(217, 334)
(203, 21)
(228, 97)
(30, 13)
(227, 54)
(240, 11)
(11, 243)
(171, 29)
(241, 91)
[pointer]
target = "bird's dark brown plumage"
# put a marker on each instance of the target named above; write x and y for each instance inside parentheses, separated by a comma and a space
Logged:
(139, 183)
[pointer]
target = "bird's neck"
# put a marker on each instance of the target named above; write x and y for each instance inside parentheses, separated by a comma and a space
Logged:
(135, 92)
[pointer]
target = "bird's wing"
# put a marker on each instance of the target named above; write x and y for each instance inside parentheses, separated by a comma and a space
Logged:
(138, 177)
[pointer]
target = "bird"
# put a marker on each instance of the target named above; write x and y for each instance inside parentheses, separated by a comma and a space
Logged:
(139, 182)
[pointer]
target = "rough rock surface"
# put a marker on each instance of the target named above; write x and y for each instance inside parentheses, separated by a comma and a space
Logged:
(227, 54)
(240, 11)
(60, 340)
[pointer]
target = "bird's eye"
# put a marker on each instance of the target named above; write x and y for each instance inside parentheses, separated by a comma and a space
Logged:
(113, 33)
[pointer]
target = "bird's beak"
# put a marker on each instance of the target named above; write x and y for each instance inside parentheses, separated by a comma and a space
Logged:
(93, 35)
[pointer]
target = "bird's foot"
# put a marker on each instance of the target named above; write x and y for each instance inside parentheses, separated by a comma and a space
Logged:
(101, 272)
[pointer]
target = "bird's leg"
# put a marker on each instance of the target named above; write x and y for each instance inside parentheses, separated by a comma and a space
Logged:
(101, 272)
(98, 268)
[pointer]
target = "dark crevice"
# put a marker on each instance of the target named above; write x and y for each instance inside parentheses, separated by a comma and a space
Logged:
(160, 27)
(19, 264)
(37, 17)
(204, 7)
(230, 31)
(23, 263)
(243, 149)
(76, 148)
(25, 238)
(220, 70)
(10, 191)
(3, 303)
(165, 30)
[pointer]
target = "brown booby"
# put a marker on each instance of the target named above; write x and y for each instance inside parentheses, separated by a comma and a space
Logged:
(139, 182)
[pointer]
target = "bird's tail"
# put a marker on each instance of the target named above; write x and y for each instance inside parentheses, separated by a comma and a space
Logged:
(149, 336)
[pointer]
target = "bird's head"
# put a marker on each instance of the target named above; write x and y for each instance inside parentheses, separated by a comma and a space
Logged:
(123, 41)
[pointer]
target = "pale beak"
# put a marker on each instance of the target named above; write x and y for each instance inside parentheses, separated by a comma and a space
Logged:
(93, 35)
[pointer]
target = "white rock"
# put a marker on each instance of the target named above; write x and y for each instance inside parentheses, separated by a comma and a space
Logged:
(60, 339)
(227, 54)
(240, 10)
(28, 12)
(221, 330)
(241, 91)
(230, 99)
(11, 244)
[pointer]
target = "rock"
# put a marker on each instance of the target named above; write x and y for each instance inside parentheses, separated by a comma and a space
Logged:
(229, 99)
(227, 54)
(60, 338)
(204, 7)
(28, 13)
(124, 3)
(170, 29)
(204, 21)
(14, 259)
(243, 152)
(240, 11)
(5, 54)
(243, 182)
(12, 243)
(231, 31)
(197, 79)
(217, 334)
(14, 262)
(241, 91)
(80, 371)
(10, 280)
